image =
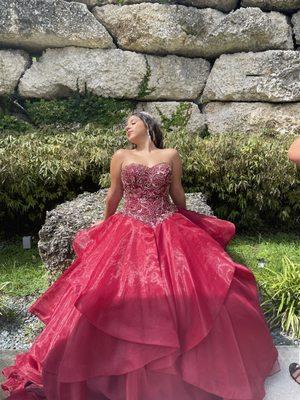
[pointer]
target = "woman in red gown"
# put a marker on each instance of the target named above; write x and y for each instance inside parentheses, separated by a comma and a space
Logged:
(152, 307)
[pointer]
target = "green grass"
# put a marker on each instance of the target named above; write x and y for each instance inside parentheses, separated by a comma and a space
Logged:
(23, 268)
(27, 274)
(248, 250)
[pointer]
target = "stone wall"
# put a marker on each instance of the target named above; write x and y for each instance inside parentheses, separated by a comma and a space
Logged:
(237, 63)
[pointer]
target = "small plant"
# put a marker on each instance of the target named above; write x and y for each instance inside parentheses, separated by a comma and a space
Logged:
(179, 118)
(144, 90)
(282, 296)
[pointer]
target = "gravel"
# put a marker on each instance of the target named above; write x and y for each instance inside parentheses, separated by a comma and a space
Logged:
(20, 332)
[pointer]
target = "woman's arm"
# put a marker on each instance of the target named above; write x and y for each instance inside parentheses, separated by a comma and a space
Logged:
(115, 191)
(176, 190)
(294, 151)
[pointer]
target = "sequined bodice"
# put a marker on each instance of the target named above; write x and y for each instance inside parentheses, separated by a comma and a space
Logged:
(146, 192)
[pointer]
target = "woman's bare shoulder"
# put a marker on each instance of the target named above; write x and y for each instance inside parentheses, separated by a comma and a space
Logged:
(173, 153)
(120, 153)
(171, 150)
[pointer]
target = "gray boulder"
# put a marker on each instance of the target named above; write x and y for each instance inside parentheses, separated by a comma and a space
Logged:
(89, 3)
(223, 5)
(192, 32)
(267, 5)
(114, 73)
(35, 25)
(61, 225)
(252, 117)
(13, 64)
(296, 26)
(272, 76)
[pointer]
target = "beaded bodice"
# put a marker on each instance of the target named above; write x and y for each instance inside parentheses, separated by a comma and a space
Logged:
(146, 192)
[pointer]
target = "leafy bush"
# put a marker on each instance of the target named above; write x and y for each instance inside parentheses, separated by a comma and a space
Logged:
(282, 297)
(40, 170)
(11, 123)
(247, 179)
(10, 110)
(79, 107)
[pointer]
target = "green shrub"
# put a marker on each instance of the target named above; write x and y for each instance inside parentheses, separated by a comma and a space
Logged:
(79, 107)
(10, 107)
(247, 179)
(11, 123)
(281, 303)
(40, 170)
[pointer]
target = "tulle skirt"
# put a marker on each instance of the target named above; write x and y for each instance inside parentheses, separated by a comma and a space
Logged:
(147, 313)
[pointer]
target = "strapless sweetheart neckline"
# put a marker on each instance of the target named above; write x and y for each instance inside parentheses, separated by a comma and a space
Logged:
(146, 166)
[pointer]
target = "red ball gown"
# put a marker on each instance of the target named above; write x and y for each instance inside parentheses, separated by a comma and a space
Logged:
(152, 308)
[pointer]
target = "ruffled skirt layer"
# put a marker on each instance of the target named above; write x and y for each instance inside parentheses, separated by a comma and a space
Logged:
(148, 313)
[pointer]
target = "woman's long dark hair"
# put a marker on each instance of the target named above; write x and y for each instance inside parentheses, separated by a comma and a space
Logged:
(153, 127)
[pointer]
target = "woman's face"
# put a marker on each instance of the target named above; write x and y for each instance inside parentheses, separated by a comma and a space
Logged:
(135, 128)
